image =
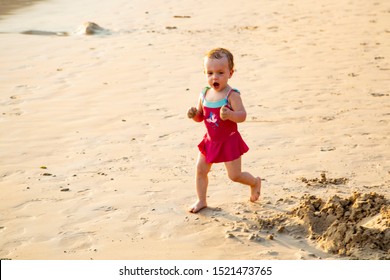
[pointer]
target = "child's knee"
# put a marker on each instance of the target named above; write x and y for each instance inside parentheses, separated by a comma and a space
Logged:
(235, 177)
(202, 169)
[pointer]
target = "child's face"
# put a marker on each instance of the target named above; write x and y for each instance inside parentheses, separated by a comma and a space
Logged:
(217, 72)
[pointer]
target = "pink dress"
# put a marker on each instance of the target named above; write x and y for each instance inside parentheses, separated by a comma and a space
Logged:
(222, 142)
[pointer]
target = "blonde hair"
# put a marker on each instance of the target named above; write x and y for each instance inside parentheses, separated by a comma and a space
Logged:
(219, 53)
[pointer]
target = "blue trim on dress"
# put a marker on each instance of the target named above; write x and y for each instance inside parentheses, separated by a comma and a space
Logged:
(215, 104)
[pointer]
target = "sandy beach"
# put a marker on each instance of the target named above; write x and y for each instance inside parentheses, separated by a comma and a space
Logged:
(97, 155)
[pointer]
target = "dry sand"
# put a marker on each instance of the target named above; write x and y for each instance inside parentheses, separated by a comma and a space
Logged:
(97, 156)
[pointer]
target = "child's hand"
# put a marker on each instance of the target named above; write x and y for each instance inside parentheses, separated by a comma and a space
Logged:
(191, 113)
(224, 113)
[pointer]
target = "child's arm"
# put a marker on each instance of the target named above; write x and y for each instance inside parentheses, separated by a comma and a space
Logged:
(238, 114)
(196, 113)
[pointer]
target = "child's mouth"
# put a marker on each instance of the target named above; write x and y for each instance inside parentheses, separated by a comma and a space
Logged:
(216, 85)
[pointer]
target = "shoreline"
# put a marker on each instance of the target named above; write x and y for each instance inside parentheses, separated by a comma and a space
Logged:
(11, 7)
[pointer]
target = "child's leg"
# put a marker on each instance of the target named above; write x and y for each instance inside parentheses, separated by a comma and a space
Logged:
(235, 174)
(202, 181)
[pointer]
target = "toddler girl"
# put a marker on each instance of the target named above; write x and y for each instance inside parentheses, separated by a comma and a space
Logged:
(221, 108)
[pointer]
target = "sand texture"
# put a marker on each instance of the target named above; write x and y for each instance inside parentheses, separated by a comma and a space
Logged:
(97, 155)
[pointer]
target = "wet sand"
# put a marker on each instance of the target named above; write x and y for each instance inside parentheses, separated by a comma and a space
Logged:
(10, 7)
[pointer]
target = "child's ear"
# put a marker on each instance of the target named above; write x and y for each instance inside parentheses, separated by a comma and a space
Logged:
(231, 73)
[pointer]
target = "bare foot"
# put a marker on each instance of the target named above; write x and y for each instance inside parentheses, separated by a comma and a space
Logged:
(199, 205)
(256, 190)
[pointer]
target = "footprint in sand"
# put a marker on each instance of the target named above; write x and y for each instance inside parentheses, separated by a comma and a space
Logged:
(76, 241)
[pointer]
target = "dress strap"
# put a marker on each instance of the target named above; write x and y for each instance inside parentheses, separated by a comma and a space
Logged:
(203, 93)
(228, 94)
(230, 91)
(205, 90)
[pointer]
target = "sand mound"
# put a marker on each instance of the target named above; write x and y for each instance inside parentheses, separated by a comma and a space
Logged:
(323, 181)
(357, 227)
